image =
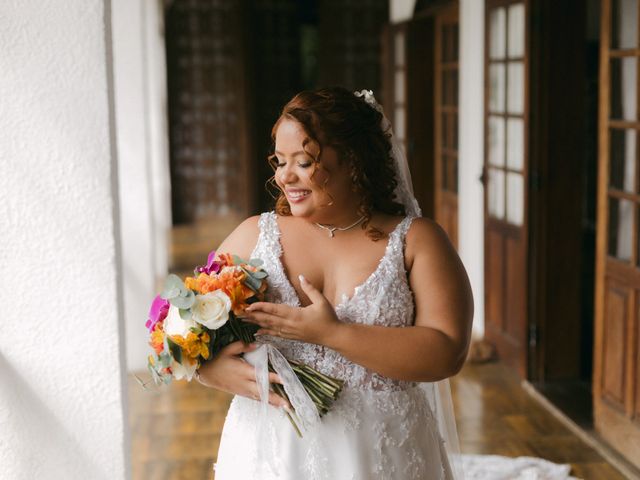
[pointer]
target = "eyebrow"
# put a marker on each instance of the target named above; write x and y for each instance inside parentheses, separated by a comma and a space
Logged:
(301, 152)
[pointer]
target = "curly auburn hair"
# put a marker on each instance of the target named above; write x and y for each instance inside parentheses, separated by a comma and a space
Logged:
(334, 117)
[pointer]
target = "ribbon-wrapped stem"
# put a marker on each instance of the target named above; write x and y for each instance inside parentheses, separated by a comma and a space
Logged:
(309, 392)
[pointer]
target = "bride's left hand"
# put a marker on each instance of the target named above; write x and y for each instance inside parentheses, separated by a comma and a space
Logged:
(315, 323)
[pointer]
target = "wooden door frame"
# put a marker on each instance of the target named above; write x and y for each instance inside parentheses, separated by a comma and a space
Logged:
(522, 232)
(448, 13)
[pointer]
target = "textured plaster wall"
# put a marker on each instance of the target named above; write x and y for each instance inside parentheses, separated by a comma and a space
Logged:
(401, 10)
(62, 395)
(471, 148)
(143, 180)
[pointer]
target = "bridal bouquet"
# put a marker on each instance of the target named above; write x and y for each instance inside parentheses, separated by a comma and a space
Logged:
(192, 320)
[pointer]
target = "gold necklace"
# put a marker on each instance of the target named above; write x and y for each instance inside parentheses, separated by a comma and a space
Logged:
(331, 229)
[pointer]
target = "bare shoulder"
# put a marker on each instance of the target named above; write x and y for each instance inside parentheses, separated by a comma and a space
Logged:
(242, 240)
(425, 238)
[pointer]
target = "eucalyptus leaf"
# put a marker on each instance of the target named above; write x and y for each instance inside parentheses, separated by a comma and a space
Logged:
(237, 260)
(170, 293)
(252, 283)
(256, 262)
(173, 280)
(185, 313)
(154, 375)
(183, 302)
(260, 274)
(165, 360)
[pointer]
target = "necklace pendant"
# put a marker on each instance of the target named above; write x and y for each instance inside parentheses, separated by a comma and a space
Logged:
(331, 232)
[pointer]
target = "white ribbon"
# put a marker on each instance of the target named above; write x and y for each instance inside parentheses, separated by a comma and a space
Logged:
(305, 414)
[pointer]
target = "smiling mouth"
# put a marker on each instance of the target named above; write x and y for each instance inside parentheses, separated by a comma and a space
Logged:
(298, 194)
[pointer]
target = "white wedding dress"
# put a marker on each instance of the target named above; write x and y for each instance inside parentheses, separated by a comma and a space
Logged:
(379, 428)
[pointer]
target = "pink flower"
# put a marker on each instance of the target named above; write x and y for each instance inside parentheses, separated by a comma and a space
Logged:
(157, 312)
(212, 266)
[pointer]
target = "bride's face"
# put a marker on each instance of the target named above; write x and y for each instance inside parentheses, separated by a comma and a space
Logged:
(324, 196)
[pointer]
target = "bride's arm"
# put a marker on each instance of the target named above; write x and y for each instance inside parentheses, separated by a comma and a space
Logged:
(433, 349)
(436, 347)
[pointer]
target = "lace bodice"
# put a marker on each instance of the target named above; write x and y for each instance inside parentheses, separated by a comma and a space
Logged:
(384, 298)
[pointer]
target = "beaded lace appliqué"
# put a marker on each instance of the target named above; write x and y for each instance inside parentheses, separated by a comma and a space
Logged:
(384, 298)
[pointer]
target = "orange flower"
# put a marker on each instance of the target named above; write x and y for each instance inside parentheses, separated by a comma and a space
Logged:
(157, 338)
(226, 259)
(194, 345)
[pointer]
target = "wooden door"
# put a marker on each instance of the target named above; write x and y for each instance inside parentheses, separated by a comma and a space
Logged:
(446, 121)
(408, 65)
(616, 384)
(506, 179)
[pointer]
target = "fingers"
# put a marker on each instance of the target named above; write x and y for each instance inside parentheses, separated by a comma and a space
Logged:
(312, 292)
(277, 309)
(274, 399)
(236, 348)
(275, 378)
(270, 332)
(263, 319)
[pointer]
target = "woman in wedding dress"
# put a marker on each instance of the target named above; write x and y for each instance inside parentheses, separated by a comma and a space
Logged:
(361, 288)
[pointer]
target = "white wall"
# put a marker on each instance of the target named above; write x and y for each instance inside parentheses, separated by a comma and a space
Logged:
(62, 377)
(471, 148)
(140, 86)
(401, 10)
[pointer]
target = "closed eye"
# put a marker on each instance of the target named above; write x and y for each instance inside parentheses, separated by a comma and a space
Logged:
(302, 165)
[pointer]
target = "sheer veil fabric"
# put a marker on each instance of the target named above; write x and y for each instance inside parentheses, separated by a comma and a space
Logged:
(469, 467)
(438, 393)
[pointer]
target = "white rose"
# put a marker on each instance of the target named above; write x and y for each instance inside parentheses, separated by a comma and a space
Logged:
(231, 268)
(174, 324)
(181, 371)
(211, 309)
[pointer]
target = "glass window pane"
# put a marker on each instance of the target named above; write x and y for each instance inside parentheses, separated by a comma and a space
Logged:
(620, 228)
(496, 141)
(515, 89)
(622, 160)
(515, 198)
(515, 143)
(516, 30)
(497, 34)
(399, 49)
(496, 193)
(623, 88)
(497, 91)
(398, 122)
(399, 86)
(624, 26)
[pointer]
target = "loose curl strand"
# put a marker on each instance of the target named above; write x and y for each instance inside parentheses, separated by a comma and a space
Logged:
(336, 118)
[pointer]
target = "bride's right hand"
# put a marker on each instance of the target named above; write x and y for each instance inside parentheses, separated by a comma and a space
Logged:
(230, 373)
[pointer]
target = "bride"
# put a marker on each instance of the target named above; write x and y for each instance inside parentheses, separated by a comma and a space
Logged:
(362, 288)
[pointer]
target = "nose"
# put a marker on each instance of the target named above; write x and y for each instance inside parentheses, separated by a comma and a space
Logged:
(287, 174)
